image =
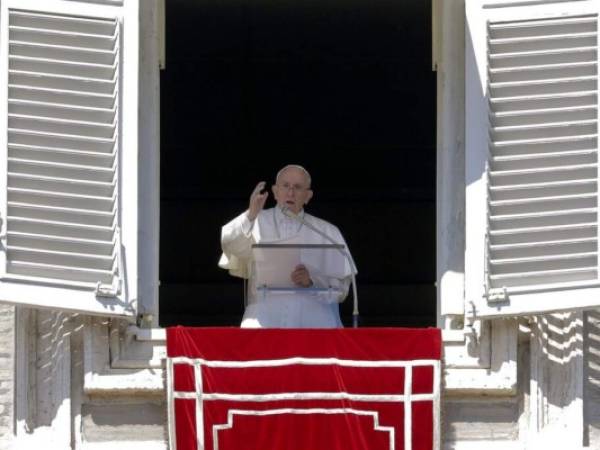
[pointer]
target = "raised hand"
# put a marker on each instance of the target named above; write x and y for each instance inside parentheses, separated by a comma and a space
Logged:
(257, 200)
(301, 277)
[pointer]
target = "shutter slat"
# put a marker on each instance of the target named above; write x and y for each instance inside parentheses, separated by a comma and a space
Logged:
(546, 47)
(61, 185)
(543, 248)
(32, 139)
(62, 136)
(543, 233)
(537, 264)
(76, 66)
(59, 37)
(524, 69)
(40, 119)
(62, 209)
(41, 65)
(543, 140)
(68, 200)
(527, 201)
(542, 112)
(60, 82)
(61, 170)
(544, 156)
(543, 87)
(542, 38)
(545, 127)
(81, 51)
(589, 49)
(71, 93)
(544, 161)
(513, 208)
(537, 131)
(542, 169)
(62, 111)
(64, 156)
(547, 218)
(66, 259)
(591, 182)
(546, 214)
(528, 27)
(543, 258)
(62, 127)
(544, 277)
(53, 271)
(562, 81)
(64, 96)
(545, 229)
(535, 98)
(62, 53)
(573, 143)
(531, 178)
(62, 244)
(54, 228)
(107, 246)
(61, 214)
(529, 102)
(62, 22)
(544, 116)
(543, 74)
(542, 58)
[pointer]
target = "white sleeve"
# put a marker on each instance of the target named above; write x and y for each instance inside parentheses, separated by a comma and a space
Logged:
(236, 243)
(236, 237)
(343, 285)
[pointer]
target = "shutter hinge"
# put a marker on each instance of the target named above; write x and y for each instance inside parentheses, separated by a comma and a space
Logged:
(3, 229)
(472, 327)
(496, 295)
(113, 289)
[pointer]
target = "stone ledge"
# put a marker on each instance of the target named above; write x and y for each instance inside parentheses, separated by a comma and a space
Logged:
(118, 382)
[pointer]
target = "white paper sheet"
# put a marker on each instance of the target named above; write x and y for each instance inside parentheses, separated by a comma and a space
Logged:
(274, 266)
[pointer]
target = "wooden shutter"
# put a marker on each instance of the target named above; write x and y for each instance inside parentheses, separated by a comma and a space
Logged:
(538, 90)
(64, 101)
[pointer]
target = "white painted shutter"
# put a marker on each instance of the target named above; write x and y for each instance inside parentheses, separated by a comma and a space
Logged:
(65, 104)
(534, 145)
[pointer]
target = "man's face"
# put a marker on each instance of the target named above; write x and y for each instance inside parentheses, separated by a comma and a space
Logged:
(292, 190)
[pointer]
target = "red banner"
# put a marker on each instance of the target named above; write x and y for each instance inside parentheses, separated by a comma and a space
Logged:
(303, 389)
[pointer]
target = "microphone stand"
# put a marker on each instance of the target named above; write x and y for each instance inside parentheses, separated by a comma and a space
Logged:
(286, 211)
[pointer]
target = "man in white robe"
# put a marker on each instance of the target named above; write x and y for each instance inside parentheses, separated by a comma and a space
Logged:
(305, 306)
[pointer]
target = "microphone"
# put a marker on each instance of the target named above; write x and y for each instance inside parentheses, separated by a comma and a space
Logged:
(289, 213)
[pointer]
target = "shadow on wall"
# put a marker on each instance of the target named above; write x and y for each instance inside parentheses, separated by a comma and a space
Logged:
(556, 367)
(591, 398)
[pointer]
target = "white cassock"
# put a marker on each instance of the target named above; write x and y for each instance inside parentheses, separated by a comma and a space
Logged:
(293, 309)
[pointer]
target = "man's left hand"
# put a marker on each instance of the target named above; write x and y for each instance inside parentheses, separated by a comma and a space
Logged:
(301, 276)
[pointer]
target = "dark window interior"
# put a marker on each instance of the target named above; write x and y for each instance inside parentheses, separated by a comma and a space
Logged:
(343, 87)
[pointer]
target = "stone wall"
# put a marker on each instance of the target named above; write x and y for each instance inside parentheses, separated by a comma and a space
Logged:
(7, 348)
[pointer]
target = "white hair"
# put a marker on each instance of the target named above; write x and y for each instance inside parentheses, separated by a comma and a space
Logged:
(294, 166)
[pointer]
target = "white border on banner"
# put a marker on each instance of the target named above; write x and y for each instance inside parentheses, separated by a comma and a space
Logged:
(269, 412)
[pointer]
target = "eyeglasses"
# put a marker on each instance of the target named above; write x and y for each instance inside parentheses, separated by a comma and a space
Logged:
(293, 187)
